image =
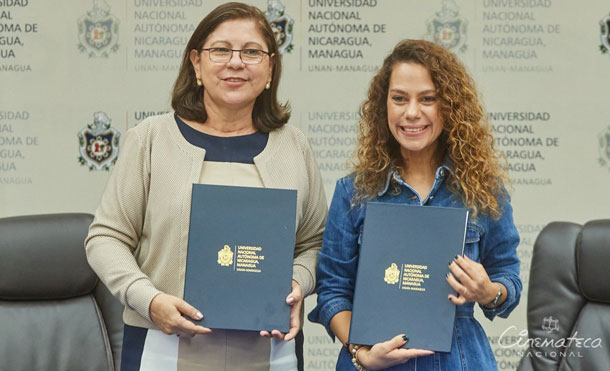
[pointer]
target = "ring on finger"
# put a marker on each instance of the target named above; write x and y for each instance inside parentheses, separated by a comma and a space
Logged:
(464, 291)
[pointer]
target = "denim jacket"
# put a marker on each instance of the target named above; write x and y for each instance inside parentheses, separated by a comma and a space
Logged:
(492, 243)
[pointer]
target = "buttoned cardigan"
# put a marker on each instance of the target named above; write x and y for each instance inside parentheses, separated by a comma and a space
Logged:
(137, 242)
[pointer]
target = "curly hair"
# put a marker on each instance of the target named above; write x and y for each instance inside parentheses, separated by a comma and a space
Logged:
(478, 175)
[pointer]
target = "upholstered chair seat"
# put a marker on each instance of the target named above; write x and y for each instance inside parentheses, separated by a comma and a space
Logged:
(55, 314)
(568, 309)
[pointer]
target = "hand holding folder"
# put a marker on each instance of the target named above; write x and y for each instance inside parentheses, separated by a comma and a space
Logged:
(295, 300)
(167, 311)
(389, 353)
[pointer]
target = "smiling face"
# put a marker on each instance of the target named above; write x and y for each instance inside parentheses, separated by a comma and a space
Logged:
(232, 85)
(413, 114)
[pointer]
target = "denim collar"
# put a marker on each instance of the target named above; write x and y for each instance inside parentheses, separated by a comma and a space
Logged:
(393, 173)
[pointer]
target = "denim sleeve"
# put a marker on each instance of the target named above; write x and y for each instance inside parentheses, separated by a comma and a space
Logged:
(338, 260)
(499, 257)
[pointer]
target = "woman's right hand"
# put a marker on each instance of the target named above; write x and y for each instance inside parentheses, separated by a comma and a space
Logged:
(166, 312)
(388, 353)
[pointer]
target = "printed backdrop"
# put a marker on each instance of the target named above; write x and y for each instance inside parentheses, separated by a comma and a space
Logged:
(75, 75)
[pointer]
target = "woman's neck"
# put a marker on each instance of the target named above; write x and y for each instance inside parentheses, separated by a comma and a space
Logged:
(418, 172)
(226, 122)
(224, 127)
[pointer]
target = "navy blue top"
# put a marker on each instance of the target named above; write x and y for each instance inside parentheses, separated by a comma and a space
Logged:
(241, 149)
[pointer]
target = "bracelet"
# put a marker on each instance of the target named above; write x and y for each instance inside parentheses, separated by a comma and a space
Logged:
(494, 303)
(357, 365)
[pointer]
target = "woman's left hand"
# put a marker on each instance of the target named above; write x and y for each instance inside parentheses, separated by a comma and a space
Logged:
(295, 300)
(470, 280)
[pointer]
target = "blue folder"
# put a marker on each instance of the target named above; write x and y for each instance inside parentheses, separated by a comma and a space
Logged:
(400, 282)
(240, 254)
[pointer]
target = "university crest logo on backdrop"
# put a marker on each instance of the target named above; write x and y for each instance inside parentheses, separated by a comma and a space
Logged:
(604, 24)
(447, 28)
(281, 24)
(98, 31)
(98, 143)
(604, 147)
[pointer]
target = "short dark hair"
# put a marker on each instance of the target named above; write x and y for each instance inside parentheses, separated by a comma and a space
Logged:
(187, 98)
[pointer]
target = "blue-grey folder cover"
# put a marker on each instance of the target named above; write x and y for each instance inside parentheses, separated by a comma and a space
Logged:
(400, 283)
(239, 259)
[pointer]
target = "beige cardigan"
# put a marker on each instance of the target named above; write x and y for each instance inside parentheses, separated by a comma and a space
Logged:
(137, 242)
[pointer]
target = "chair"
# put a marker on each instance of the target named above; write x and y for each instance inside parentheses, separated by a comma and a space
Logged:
(568, 309)
(55, 314)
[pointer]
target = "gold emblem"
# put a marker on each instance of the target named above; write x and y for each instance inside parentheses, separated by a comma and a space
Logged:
(391, 274)
(225, 256)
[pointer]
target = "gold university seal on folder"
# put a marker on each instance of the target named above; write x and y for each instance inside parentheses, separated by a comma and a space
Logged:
(391, 274)
(225, 256)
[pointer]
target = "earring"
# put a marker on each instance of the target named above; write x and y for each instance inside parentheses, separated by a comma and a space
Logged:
(268, 85)
(199, 83)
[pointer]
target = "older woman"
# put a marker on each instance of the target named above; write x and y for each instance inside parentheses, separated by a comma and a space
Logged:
(423, 141)
(229, 129)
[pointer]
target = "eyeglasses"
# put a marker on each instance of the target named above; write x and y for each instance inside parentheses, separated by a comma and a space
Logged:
(248, 56)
